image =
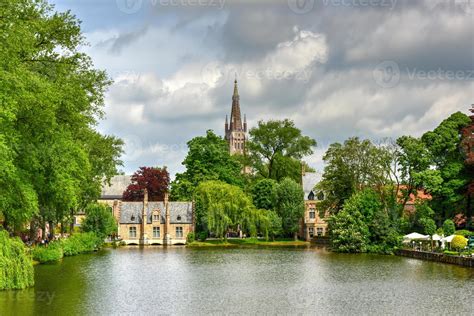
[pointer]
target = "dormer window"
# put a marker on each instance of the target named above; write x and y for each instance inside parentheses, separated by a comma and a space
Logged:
(132, 218)
(311, 195)
(178, 218)
(156, 217)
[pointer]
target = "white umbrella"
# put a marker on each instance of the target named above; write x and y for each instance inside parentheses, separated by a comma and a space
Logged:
(416, 236)
(437, 237)
(448, 239)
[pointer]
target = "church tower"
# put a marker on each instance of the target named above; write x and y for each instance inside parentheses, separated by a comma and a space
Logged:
(236, 131)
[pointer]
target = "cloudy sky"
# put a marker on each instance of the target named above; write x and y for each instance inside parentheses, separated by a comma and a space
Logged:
(338, 68)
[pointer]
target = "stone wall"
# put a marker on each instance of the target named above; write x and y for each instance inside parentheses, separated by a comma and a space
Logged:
(437, 257)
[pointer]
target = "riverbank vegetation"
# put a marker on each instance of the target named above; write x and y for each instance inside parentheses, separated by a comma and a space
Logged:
(378, 192)
(16, 268)
(71, 246)
(231, 242)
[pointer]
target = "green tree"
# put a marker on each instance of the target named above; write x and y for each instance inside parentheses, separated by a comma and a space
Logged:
(51, 100)
(275, 145)
(290, 205)
(444, 144)
(208, 158)
(448, 227)
(221, 207)
(264, 194)
(353, 166)
(275, 224)
(348, 231)
(99, 220)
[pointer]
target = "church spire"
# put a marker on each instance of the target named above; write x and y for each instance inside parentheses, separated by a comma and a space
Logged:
(235, 116)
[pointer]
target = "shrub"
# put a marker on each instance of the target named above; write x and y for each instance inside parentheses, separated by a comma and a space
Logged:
(464, 232)
(16, 267)
(53, 252)
(191, 237)
(459, 242)
(448, 227)
(202, 235)
(79, 243)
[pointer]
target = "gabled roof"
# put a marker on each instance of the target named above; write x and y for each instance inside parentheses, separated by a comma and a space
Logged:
(131, 212)
(310, 179)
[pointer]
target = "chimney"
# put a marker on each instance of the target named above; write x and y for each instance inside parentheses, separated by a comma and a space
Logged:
(144, 215)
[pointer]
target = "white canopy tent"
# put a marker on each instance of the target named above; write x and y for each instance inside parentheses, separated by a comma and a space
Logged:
(415, 236)
(448, 239)
(437, 237)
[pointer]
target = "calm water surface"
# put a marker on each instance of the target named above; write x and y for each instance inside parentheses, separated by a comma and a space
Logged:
(155, 281)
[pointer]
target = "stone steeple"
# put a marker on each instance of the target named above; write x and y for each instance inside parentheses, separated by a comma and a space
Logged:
(236, 131)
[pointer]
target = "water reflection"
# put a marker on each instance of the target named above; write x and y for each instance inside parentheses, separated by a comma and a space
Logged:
(242, 280)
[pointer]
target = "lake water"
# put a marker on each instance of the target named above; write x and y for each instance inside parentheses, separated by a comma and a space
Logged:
(180, 280)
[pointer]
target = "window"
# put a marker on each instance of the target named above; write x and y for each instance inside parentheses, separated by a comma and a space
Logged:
(156, 217)
(156, 232)
(132, 232)
(179, 232)
(311, 232)
(132, 218)
(320, 231)
(178, 218)
(312, 214)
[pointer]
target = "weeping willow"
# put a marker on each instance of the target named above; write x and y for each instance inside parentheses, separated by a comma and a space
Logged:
(226, 207)
(16, 267)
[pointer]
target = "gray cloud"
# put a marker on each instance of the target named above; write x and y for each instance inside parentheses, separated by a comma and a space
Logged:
(326, 69)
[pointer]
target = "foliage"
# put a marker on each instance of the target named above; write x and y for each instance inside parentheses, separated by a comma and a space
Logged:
(348, 231)
(202, 236)
(463, 232)
(221, 207)
(52, 252)
(353, 166)
(275, 227)
(276, 148)
(190, 238)
(16, 267)
(459, 242)
(52, 161)
(80, 243)
(444, 144)
(264, 194)
(208, 158)
(448, 227)
(290, 205)
(100, 220)
(71, 246)
(155, 180)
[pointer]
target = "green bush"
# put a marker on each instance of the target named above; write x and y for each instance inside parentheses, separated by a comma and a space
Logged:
(16, 267)
(53, 252)
(79, 243)
(202, 236)
(464, 232)
(191, 237)
(448, 227)
(450, 253)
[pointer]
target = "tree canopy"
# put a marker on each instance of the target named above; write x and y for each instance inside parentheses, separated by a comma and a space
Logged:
(208, 158)
(155, 180)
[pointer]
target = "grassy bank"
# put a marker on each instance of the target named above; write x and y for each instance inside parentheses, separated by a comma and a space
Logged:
(248, 242)
(74, 245)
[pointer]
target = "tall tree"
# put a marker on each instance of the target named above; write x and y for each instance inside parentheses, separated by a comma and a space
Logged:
(208, 158)
(277, 141)
(264, 194)
(353, 166)
(221, 207)
(155, 180)
(290, 205)
(51, 99)
(444, 144)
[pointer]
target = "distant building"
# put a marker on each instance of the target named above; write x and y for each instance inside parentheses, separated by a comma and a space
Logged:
(313, 224)
(148, 222)
(236, 131)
